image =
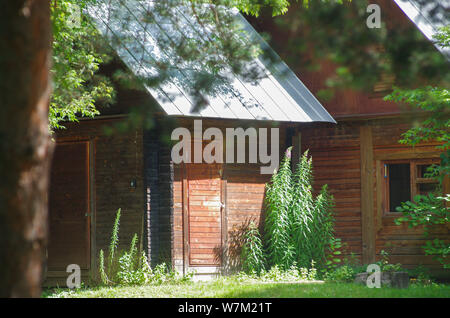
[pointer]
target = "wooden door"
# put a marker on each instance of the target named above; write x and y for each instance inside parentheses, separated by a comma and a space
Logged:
(204, 214)
(69, 220)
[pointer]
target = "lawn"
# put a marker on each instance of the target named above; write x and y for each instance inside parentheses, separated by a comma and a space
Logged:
(228, 288)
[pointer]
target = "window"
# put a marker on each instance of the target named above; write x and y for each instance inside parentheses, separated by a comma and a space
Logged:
(404, 179)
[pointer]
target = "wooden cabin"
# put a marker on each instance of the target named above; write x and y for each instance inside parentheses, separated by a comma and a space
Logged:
(185, 213)
(360, 158)
(190, 214)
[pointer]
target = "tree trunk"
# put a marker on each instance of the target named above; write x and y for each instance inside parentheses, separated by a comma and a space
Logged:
(25, 147)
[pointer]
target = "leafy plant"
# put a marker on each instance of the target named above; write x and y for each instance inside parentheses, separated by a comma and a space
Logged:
(386, 266)
(253, 258)
(101, 268)
(280, 247)
(431, 209)
(78, 52)
(333, 260)
(341, 274)
(420, 276)
(131, 267)
(277, 274)
(428, 211)
(298, 227)
(114, 242)
(133, 270)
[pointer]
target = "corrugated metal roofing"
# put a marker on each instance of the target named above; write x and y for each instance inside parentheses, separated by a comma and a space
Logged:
(278, 96)
(428, 16)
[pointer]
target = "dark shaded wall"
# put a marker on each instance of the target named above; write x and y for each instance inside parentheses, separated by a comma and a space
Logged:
(158, 176)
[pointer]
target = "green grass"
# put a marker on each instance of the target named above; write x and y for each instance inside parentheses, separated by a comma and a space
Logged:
(229, 288)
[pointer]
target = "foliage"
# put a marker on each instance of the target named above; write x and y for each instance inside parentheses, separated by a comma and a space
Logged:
(338, 268)
(101, 268)
(442, 37)
(277, 201)
(253, 7)
(440, 250)
(428, 211)
(432, 209)
(114, 242)
(79, 51)
(312, 220)
(298, 227)
(277, 274)
(131, 267)
(341, 274)
(77, 56)
(346, 273)
(253, 258)
(363, 56)
(435, 101)
(333, 260)
(420, 275)
(386, 266)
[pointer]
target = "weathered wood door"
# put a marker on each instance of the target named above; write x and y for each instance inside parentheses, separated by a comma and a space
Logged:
(204, 214)
(69, 239)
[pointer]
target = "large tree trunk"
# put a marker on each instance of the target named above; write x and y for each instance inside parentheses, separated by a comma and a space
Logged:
(25, 56)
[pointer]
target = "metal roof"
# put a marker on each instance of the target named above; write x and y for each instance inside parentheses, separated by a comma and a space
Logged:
(428, 16)
(278, 96)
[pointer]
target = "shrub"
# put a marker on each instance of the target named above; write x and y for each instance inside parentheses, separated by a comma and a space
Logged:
(427, 211)
(386, 266)
(298, 227)
(342, 274)
(277, 201)
(253, 258)
(133, 270)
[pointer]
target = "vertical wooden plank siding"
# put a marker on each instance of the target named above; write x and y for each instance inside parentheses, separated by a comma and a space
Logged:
(69, 208)
(367, 182)
(224, 223)
(241, 188)
(204, 214)
(185, 202)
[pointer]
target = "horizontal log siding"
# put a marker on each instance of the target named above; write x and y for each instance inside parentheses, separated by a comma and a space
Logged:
(336, 160)
(335, 152)
(403, 244)
(118, 161)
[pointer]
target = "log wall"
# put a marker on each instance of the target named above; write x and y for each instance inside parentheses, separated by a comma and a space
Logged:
(343, 159)
(116, 162)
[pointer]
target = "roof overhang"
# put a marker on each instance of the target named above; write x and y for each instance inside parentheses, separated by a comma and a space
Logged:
(278, 96)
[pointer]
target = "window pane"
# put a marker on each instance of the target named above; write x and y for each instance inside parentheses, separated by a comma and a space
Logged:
(399, 185)
(425, 188)
(422, 170)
